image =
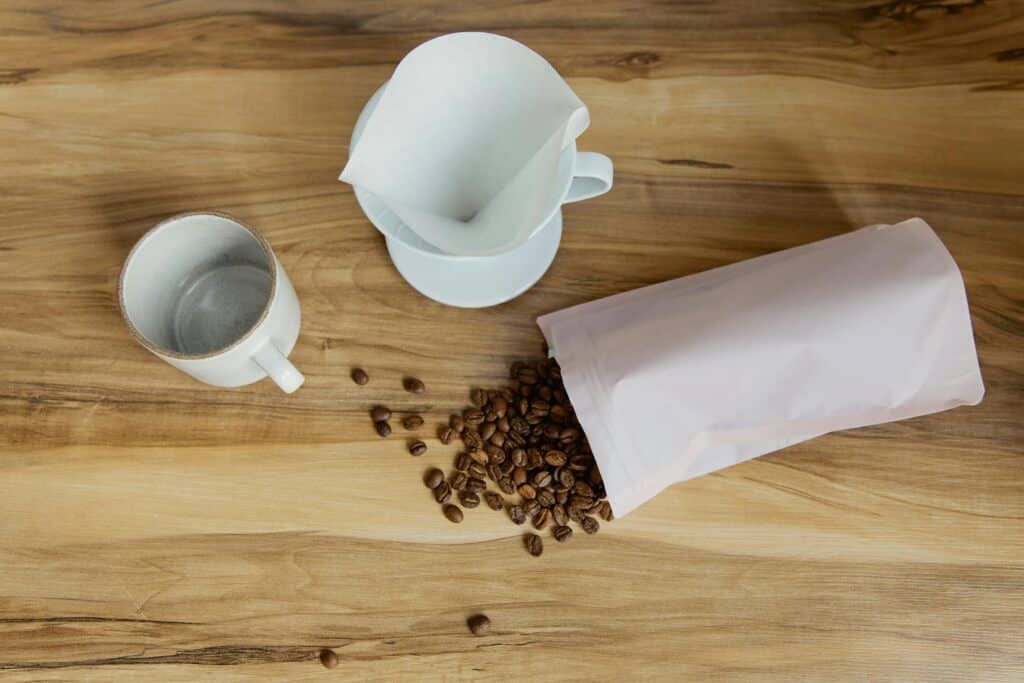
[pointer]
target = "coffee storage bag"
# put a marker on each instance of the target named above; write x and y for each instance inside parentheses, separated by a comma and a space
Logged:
(686, 377)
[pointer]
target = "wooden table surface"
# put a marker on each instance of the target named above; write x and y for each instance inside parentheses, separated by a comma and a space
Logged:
(152, 528)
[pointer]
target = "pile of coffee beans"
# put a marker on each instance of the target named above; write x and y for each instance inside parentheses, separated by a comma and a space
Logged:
(523, 453)
(524, 440)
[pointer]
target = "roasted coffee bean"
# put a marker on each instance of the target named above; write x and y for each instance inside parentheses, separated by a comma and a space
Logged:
(541, 478)
(559, 515)
(558, 413)
(605, 511)
(541, 366)
(462, 461)
(544, 392)
(433, 478)
(551, 430)
(492, 394)
(472, 417)
(539, 407)
(477, 470)
(545, 497)
(515, 440)
(580, 463)
(526, 391)
(359, 376)
(458, 480)
(519, 426)
(500, 406)
(498, 439)
(561, 497)
(555, 458)
(453, 513)
(413, 385)
(495, 454)
(561, 533)
(443, 493)
(527, 491)
(494, 500)
(527, 376)
(479, 624)
(519, 457)
(491, 416)
(590, 525)
(328, 658)
(494, 472)
(569, 434)
(446, 434)
(534, 544)
(476, 485)
(530, 507)
(382, 427)
(412, 421)
(457, 423)
(519, 476)
(575, 514)
(534, 460)
(577, 502)
(471, 439)
(508, 393)
(478, 397)
(469, 499)
(487, 430)
(594, 507)
(582, 488)
(595, 477)
(565, 478)
(480, 457)
(507, 485)
(504, 425)
(541, 519)
(515, 368)
(417, 448)
(523, 405)
(516, 514)
(380, 414)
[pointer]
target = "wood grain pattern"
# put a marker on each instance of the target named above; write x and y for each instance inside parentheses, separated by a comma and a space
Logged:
(154, 528)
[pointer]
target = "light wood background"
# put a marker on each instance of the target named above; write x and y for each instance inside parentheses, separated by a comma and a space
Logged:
(152, 528)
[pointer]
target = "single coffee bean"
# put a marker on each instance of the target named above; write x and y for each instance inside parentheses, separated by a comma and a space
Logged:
(456, 422)
(412, 422)
(477, 470)
(519, 476)
(575, 515)
(382, 427)
(443, 492)
(582, 488)
(569, 434)
(509, 393)
(498, 439)
(494, 500)
(478, 397)
(561, 533)
(471, 439)
(500, 406)
(530, 507)
(519, 457)
(507, 485)
(534, 544)
(491, 416)
(527, 376)
(551, 430)
(453, 513)
(559, 516)
(458, 480)
(519, 426)
(580, 463)
(495, 455)
(544, 392)
(380, 414)
(413, 385)
(562, 497)
(446, 434)
(515, 440)
(541, 519)
(479, 624)
(533, 459)
(494, 472)
(504, 425)
(487, 430)
(480, 457)
(555, 458)
(516, 514)
(541, 478)
(469, 499)
(472, 417)
(359, 376)
(476, 485)
(328, 658)
(462, 462)
(558, 412)
(565, 478)
(595, 507)
(539, 407)
(545, 497)
(417, 448)
(595, 477)
(492, 394)
(590, 525)
(605, 511)
(525, 390)
(506, 468)
(433, 478)
(523, 405)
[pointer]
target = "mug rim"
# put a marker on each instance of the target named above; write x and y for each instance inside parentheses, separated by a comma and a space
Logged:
(160, 351)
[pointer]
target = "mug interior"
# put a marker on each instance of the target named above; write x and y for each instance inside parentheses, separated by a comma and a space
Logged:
(197, 284)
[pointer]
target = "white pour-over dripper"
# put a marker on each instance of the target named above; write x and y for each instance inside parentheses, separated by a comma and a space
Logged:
(481, 281)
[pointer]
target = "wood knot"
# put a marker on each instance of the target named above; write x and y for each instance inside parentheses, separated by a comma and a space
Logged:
(638, 59)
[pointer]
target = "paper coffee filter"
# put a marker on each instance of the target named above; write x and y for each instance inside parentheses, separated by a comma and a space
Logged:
(464, 143)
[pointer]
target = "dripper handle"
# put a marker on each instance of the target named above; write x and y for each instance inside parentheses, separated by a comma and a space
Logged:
(592, 176)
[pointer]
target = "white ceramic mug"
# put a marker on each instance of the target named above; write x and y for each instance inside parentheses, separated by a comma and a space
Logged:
(204, 292)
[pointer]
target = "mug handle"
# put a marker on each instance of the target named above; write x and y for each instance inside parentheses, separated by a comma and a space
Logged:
(592, 176)
(278, 367)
